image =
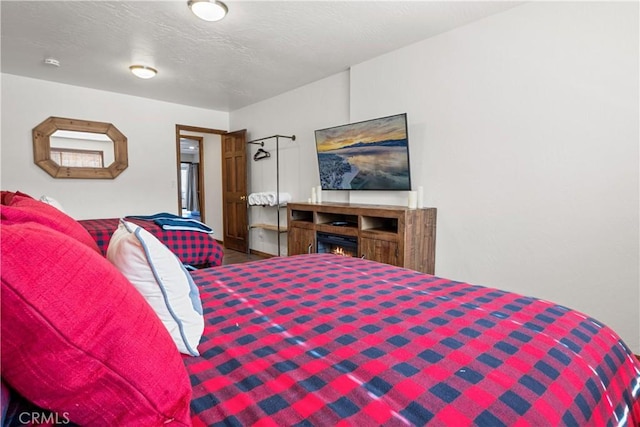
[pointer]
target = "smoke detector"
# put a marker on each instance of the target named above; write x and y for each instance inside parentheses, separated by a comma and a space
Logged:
(52, 61)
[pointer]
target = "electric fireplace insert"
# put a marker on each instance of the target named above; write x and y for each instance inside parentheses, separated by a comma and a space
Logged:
(337, 244)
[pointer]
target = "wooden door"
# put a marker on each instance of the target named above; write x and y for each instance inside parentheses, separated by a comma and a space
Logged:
(384, 251)
(234, 191)
(301, 241)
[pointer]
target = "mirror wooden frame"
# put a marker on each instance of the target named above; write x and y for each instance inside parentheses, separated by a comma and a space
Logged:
(42, 148)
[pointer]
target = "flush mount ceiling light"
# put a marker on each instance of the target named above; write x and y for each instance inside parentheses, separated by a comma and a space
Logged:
(208, 10)
(143, 71)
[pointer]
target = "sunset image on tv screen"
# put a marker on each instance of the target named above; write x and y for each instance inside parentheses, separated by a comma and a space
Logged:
(369, 155)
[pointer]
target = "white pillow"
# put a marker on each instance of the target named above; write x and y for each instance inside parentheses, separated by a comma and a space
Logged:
(163, 281)
(53, 202)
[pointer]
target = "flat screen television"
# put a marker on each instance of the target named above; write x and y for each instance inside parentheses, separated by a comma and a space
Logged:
(368, 155)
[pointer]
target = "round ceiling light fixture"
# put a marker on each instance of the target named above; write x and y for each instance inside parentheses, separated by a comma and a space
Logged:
(143, 72)
(208, 10)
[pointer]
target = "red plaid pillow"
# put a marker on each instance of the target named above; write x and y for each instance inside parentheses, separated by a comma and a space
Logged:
(22, 208)
(79, 339)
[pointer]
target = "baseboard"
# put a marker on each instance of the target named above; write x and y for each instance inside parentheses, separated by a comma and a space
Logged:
(261, 254)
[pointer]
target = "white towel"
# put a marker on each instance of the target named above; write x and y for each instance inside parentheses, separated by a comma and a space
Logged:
(272, 198)
(268, 198)
(254, 199)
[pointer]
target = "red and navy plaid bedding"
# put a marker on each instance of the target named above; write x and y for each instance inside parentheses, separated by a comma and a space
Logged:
(328, 340)
(192, 247)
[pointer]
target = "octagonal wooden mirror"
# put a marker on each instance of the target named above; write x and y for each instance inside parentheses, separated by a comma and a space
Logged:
(70, 148)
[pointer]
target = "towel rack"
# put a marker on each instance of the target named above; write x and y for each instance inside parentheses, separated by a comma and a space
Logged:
(260, 142)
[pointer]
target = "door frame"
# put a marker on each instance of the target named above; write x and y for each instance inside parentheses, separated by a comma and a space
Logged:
(201, 196)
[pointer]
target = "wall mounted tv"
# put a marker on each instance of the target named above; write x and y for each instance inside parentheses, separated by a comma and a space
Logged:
(368, 155)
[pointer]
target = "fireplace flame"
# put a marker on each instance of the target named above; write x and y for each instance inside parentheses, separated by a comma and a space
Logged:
(340, 251)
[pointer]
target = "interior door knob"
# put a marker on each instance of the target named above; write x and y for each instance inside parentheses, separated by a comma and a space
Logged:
(243, 197)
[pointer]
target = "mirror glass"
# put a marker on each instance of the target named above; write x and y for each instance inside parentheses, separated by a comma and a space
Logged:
(81, 149)
(70, 148)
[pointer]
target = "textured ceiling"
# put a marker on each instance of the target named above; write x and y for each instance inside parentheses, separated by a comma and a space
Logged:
(261, 49)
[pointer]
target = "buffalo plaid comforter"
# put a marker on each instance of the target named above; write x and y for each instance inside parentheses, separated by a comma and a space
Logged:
(191, 247)
(323, 340)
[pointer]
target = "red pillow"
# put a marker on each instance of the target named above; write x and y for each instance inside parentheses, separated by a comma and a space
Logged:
(79, 339)
(22, 209)
(7, 196)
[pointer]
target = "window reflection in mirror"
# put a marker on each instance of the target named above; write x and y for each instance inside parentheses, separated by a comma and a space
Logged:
(81, 149)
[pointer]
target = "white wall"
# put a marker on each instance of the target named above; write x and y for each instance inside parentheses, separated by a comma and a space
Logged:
(523, 130)
(524, 133)
(298, 112)
(147, 186)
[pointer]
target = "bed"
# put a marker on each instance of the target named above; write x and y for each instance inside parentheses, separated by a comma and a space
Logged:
(307, 340)
(194, 248)
(330, 340)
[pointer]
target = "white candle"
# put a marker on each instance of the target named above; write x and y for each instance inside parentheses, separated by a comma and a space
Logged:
(413, 199)
(420, 197)
(319, 194)
(313, 194)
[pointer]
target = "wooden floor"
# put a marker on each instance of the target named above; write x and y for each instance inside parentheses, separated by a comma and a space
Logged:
(235, 257)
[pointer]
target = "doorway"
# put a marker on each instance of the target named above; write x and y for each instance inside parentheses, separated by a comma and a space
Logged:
(191, 182)
(228, 213)
(194, 202)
